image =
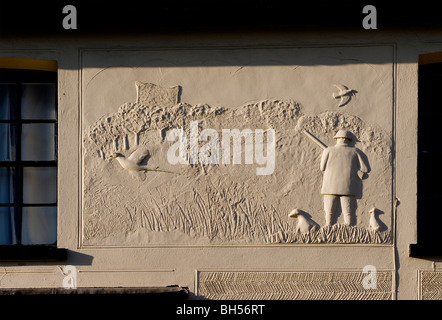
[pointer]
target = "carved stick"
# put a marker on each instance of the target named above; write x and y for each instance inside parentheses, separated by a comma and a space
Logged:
(158, 170)
(314, 139)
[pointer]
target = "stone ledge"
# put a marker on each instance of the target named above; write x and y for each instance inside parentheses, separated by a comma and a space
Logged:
(175, 292)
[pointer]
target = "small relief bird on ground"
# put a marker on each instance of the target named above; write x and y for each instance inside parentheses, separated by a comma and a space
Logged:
(305, 223)
(374, 225)
(133, 163)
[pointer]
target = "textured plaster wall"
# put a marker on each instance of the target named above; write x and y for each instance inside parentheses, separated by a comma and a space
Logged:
(126, 232)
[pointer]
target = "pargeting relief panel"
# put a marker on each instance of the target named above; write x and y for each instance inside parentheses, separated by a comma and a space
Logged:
(275, 285)
(430, 285)
(160, 171)
(230, 202)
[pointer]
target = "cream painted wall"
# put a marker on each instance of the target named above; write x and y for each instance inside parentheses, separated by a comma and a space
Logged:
(96, 77)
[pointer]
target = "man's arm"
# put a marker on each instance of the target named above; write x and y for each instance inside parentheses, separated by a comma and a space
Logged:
(324, 159)
(363, 164)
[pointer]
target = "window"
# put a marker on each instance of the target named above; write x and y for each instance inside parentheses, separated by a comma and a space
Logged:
(429, 216)
(28, 160)
(28, 157)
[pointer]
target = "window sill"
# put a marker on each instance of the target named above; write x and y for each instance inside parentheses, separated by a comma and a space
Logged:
(425, 251)
(32, 253)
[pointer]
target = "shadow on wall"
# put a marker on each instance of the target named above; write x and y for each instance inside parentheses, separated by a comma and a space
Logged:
(79, 259)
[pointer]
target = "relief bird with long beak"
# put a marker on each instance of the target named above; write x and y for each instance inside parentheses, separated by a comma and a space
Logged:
(133, 164)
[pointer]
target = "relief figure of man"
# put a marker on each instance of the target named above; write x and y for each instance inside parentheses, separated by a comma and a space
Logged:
(343, 166)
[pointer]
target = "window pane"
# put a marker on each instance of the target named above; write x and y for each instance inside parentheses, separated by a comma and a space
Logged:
(39, 225)
(38, 101)
(38, 142)
(6, 185)
(40, 185)
(6, 225)
(7, 97)
(7, 138)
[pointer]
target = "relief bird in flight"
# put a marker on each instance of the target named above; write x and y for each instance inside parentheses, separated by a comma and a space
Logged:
(344, 93)
(133, 164)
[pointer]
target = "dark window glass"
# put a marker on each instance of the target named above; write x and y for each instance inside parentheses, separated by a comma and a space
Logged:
(429, 154)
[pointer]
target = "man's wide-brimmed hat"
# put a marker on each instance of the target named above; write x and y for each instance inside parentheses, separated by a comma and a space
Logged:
(343, 134)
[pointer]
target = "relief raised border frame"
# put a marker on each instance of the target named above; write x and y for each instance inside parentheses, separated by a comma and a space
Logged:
(276, 47)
